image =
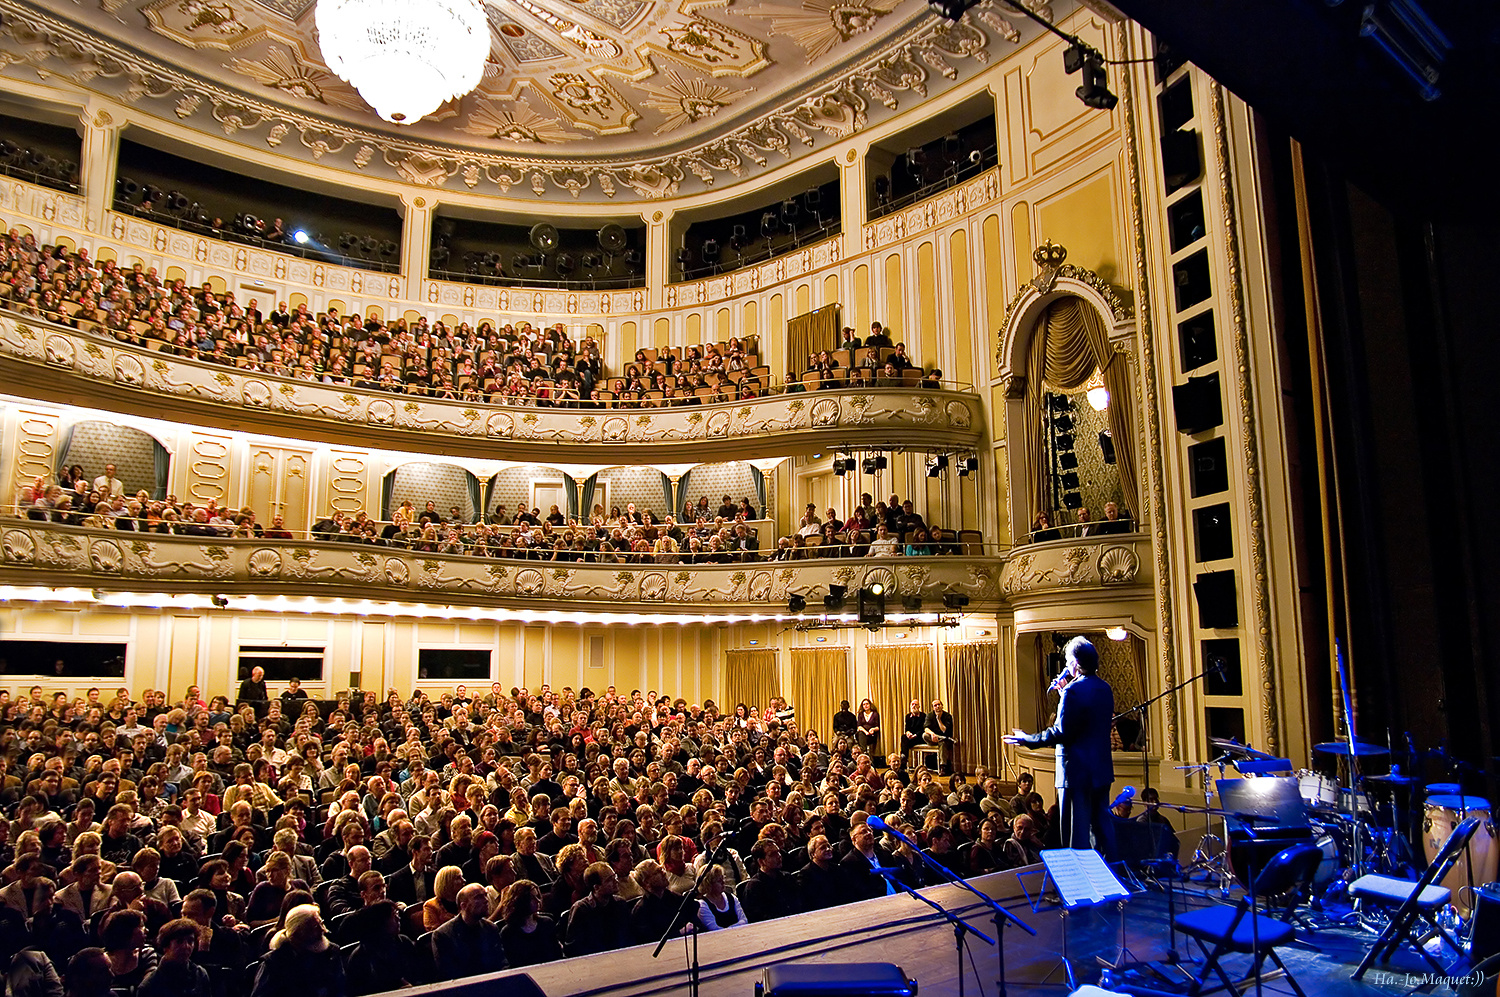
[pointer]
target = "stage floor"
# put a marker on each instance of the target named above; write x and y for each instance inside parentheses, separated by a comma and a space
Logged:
(900, 930)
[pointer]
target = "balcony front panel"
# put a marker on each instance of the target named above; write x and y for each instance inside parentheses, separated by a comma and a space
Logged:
(47, 554)
(59, 364)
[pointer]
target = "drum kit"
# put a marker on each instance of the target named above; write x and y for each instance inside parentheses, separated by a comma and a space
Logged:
(1363, 823)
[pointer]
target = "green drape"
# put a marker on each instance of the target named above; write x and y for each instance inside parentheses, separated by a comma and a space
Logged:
(666, 492)
(161, 467)
(590, 486)
(682, 492)
(570, 485)
(759, 477)
(62, 454)
(476, 500)
(387, 487)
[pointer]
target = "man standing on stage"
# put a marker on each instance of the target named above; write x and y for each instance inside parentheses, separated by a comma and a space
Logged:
(1085, 769)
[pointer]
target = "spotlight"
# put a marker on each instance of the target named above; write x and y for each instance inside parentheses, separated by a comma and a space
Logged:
(1070, 480)
(1063, 422)
(1067, 461)
(796, 604)
(684, 257)
(840, 466)
(737, 236)
(882, 190)
(564, 263)
(971, 463)
(836, 597)
(1072, 500)
(1064, 441)
(1107, 446)
(873, 464)
(1098, 397)
(1094, 91)
(877, 588)
(768, 224)
(955, 600)
(300, 237)
(911, 603)
(710, 250)
(1117, 633)
(872, 606)
(219, 601)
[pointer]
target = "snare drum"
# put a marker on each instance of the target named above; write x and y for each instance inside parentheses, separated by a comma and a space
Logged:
(1442, 814)
(1320, 791)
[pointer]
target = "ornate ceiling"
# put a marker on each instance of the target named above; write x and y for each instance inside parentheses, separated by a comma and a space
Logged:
(597, 99)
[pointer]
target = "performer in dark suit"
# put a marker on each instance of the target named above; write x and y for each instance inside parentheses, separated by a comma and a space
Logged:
(1085, 768)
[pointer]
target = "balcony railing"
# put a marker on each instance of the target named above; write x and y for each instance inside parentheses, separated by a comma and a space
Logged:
(96, 562)
(107, 371)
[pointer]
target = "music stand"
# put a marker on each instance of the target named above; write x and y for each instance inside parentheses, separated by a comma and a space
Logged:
(1082, 879)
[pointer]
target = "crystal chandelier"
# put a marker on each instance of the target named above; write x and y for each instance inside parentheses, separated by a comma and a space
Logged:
(405, 57)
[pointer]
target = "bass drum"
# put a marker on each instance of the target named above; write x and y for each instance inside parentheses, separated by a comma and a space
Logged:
(1442, 814)
(1328, 865)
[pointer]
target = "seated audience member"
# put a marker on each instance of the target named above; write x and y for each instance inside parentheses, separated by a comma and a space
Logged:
(469, 944)
(176, 974)
(529, 936)
(600, 921)
(301, 961)
(716, 908)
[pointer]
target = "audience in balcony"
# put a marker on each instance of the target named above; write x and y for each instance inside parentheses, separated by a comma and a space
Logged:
(1083, 525)
(500, 363)
(872, 529)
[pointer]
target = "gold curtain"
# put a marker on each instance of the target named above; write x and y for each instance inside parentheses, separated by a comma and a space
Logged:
(1066, 346)
(810, 333)
(818, 682)
(897, 676)
(974, 701)
(750, 677)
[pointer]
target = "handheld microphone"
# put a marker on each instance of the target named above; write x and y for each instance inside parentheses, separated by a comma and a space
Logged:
(1126, 795)
(1063, 678)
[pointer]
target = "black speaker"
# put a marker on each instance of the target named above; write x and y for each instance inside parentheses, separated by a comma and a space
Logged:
(1208, 467)
(1217, 607)
(1197, 342)
(1181, 158)
(1485, 941)
(1213, 529)
(1197, 404)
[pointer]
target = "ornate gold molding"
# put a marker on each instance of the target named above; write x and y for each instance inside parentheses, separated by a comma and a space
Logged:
(1259, 582)
(1152, 416)
(61, 364)
(36, 553)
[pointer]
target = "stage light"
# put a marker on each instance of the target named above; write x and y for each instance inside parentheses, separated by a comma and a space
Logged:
(1117, 633)
(911, 603)
(1098, 397)
(955, 600)
(877, 588)
(837, 595)
(301, 237)
(796, 604)
(873, 464)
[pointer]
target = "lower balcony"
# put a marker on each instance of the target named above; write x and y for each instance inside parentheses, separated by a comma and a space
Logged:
(48, 562)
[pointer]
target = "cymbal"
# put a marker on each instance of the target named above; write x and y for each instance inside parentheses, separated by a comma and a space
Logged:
(1362, 749)
(1232, 747)
(1394, 779)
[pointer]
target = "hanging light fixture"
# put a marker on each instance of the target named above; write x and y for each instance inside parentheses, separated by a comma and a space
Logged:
(1097, 393)
(405, 59)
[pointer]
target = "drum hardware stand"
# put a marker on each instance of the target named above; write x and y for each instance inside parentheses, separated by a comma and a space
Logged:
(1212, 854)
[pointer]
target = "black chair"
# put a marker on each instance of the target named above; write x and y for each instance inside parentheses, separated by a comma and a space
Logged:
(1417, 904)
(1223, 930)
(427, 968)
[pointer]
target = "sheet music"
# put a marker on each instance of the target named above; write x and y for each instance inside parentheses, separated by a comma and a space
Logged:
(1082, 878)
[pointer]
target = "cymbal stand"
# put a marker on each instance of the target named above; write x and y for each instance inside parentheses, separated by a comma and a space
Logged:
(1212, 853)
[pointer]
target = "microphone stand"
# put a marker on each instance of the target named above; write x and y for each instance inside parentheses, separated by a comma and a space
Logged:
(960, 929)
(680, 919)
(1000, 915)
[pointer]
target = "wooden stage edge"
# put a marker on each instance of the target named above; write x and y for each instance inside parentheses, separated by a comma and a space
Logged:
(901, 930)
(896, 929)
